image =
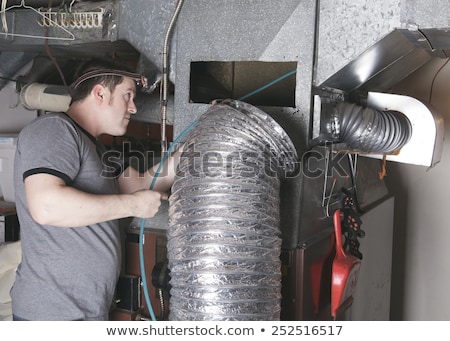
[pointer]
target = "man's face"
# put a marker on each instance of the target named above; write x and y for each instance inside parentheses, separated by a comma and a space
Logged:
(120, 106)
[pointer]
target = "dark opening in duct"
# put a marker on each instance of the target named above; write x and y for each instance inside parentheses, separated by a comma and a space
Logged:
(224, 240)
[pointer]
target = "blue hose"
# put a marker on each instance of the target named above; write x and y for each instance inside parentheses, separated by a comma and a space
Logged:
(254, 92)
(141, 232)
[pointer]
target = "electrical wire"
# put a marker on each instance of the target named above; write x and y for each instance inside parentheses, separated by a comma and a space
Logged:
(53, 59)
(268, 85)
(142, 226)
(434, 79)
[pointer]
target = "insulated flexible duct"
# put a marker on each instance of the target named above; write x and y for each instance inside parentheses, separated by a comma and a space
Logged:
(223, 237)
(368, 130)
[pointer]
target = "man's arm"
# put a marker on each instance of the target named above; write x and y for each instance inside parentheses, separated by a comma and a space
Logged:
(131, 180)
(51, 202)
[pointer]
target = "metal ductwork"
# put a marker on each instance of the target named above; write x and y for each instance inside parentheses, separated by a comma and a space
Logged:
(424, 148)
(224, 240)
(396, 127)
(10, 63)
(35, 3)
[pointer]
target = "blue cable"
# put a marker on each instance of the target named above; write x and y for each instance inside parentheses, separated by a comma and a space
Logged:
(268, 85)
(141, 232)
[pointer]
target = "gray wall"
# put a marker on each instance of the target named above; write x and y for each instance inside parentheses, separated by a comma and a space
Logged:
(421, 253)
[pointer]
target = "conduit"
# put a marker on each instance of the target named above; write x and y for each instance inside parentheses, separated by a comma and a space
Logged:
(224, 240)
(165, 75)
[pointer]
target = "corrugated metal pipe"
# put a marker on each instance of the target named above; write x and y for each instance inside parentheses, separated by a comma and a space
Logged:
(366, 129)
(224, 239)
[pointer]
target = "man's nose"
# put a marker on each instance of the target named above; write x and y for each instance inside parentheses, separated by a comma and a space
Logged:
(132, 107)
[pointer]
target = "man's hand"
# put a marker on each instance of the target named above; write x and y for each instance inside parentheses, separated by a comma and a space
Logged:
(148, 202)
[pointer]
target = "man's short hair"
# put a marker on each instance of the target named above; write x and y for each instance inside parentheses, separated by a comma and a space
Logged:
(95, 69)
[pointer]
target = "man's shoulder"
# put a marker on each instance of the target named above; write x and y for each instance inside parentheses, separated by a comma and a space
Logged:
(48, 121)
(52, 116)
(47, 128)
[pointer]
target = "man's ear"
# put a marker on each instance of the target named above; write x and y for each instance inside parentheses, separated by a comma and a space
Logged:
(99, 92)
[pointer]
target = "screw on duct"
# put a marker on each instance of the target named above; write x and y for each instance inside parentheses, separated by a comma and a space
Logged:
(224, 241)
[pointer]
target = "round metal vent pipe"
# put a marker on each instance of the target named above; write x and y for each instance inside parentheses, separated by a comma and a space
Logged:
(224, 240)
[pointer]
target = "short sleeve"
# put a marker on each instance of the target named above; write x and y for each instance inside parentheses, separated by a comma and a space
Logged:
(49, 145)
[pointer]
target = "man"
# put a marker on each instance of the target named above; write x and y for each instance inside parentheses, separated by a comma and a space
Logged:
(69, 204)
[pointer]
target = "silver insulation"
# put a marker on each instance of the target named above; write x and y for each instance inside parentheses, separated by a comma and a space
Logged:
(224, 240)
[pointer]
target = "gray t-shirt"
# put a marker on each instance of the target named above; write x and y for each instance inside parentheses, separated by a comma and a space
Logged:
(65, 273)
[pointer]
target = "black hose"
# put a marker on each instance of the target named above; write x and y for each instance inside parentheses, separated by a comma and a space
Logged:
(369, 130)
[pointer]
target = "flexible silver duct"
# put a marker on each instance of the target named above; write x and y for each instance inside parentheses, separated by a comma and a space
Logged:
(223, 237)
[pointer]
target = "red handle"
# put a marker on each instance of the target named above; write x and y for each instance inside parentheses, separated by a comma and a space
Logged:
(338, 233)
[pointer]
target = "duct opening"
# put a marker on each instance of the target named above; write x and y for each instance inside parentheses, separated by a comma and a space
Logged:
(224, 241)
(258, 83)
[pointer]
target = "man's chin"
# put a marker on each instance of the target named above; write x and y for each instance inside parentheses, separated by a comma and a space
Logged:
(119, 133)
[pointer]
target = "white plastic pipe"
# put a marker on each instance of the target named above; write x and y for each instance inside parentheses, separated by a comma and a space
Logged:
(38, 96)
